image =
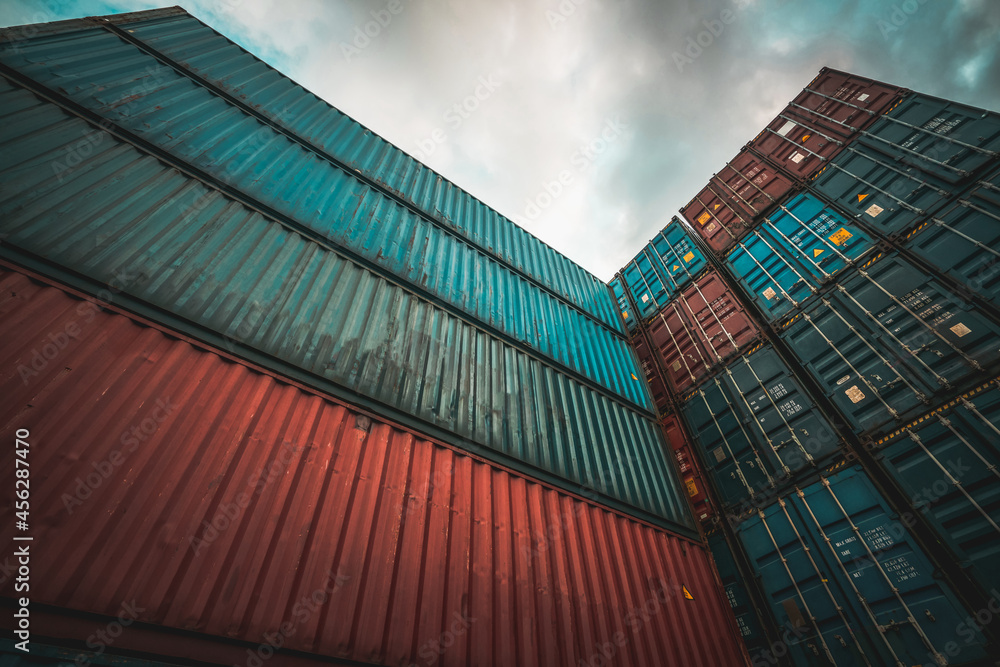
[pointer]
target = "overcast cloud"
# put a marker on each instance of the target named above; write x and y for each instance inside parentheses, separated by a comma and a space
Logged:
(611, 104)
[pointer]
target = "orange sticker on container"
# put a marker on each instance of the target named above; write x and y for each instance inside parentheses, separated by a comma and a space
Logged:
(687, 593)
(818, 251)
(692, 489)
(704, 217)
(624, 314)
(840, 236)
(688, 257)
(861, 198)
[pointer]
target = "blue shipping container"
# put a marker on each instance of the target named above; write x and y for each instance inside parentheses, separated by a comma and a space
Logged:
(963, 239)
(891, 341)
(754, 427)
(948, 463)
(850, 584)
(200, 261)
(794, 253)
(664, 266)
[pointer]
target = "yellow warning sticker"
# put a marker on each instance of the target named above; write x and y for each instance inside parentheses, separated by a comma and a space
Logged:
(960, 330)
(675, 267)
(704, 217)
(624, 314)
(818, 251)
(688, 257)
(692, 489)
(840, 236)
(716, 207)
(805, 137)
(634, 377)
(861, 198)
(687, 593)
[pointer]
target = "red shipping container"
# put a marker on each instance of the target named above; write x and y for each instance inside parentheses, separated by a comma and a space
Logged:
(212, 498)
(716, 220)
(689, 467)
(657, 387)
(699, 330)
(821, 120)
(746, 188)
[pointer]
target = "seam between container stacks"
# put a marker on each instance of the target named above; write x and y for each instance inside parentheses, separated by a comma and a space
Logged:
(351, 401)
(355, 173)
(71, 107)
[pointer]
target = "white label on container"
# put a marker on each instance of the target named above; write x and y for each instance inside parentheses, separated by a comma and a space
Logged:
(960, 330)
(855, 394)
(786, 128)
(862, 97)
(769, 293)
(676, 366)
(720, 455)
(843, 380)
(796, 157)
(874, 210)
(645, 298)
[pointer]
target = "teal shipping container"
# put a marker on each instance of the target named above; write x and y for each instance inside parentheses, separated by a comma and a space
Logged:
(948, 464)
(848, 578)
(140, 227)
(476, 262)
(662, 268)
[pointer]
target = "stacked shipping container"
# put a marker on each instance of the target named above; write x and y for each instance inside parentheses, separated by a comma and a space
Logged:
(853, 242)
(365, 388)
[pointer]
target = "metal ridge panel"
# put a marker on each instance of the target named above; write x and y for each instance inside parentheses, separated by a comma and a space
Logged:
(501, 302)
(491, 237)
(128, 221)
(224, 496)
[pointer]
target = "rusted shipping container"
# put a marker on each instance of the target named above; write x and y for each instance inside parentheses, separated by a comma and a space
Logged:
(699, 330)
(214, 498)
(822, 119)
(744, 189)
(690, 468)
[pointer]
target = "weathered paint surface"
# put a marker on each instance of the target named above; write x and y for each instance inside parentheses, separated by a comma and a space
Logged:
(125, 219)
(218, 498)
(125, 77)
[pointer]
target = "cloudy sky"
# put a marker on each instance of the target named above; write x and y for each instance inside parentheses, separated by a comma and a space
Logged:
(618, 109)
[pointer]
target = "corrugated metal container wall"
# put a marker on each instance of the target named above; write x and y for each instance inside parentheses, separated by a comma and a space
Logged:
(736, 592)
(663, 267)
(755, 426)
(821, 120)
(892, 341)
(657, 387)
(699, 330)
(181, 60)
(628, 315)
(694, 480)
(222, 496)
(751, 184)
(851, 582)
(963, 239)
(279, 174)
(794, 253)
(948, 463)
(126, 219)
(715, 219)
